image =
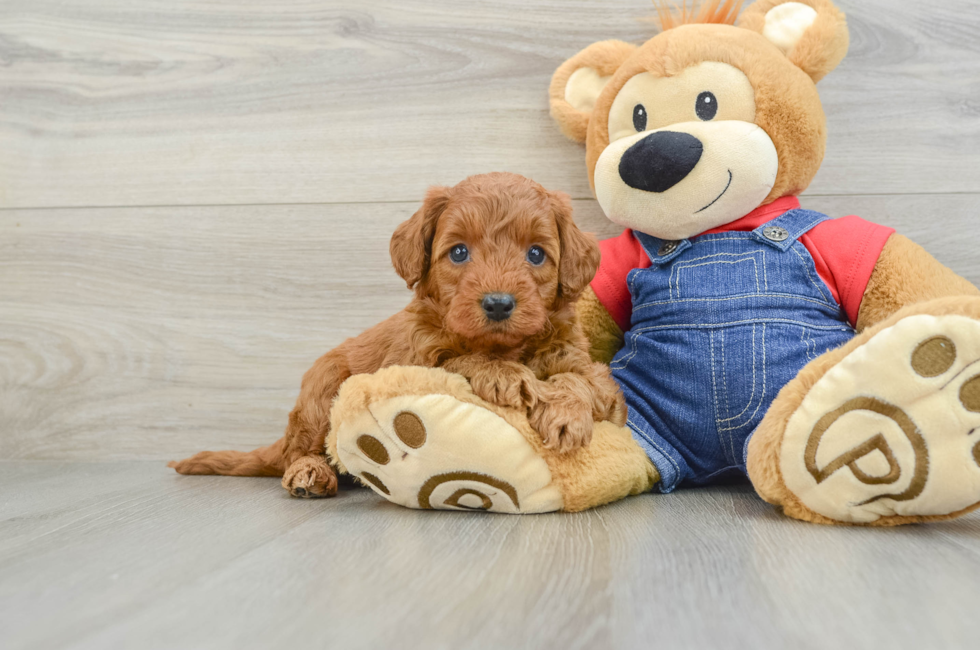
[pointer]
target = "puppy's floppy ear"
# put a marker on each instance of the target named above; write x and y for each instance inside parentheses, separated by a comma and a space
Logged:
(811, 33)
(576, 84)
(579, 251)
(411, 245)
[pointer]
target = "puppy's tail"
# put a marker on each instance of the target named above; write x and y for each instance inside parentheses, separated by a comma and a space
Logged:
(264, 461)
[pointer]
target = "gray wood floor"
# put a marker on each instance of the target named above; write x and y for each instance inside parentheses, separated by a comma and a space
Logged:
(124, 555)
(195, 202)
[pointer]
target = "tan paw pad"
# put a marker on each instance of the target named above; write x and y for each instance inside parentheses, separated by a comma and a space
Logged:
(436, 452)
(893, 428)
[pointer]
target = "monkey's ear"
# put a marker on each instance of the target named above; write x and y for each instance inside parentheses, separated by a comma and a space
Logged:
(579, 256)
(411, 245)
(811, 33)
(576, 84)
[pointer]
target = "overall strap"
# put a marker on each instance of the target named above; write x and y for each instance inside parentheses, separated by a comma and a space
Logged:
(661, 251)
(784, 230)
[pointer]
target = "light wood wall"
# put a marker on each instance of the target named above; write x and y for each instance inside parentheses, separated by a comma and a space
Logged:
(196, 198)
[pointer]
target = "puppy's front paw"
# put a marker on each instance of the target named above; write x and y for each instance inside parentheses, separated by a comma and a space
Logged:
(310, 477)
(504, 386)
(609, 403)
(564, 424)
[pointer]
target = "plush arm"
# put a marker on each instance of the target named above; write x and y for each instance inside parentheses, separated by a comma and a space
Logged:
(906, 274)
(605, 337)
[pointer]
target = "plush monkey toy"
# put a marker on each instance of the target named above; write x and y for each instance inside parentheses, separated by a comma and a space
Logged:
(832, 361)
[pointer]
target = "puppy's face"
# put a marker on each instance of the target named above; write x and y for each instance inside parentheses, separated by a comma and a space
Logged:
(499, 256)
(494, 268)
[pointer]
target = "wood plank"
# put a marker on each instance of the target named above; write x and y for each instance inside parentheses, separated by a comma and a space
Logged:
(156, 332)
(128, 554)
(231, 102)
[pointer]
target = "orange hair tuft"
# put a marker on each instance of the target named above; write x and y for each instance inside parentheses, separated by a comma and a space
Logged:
(722, 12)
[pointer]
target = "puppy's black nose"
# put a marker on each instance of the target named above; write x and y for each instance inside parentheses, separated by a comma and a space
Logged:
(498, 306)
(660, 161)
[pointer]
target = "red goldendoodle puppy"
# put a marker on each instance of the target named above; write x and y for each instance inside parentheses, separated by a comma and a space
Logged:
(497, 264)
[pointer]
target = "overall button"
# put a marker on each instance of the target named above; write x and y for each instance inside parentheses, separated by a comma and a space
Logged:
(667, 248)
(775, 233)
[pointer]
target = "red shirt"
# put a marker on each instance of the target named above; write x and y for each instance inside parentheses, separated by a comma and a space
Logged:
(844, 251)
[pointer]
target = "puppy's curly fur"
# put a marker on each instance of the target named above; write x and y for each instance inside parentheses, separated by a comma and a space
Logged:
(537, 359)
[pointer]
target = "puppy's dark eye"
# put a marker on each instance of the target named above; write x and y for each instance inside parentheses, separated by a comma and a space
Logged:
(535, 255)
(706, 106)
(639, 118)
(459, 254)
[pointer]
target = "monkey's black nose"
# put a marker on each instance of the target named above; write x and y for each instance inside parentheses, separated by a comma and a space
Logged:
(660, 161)
(498, 306)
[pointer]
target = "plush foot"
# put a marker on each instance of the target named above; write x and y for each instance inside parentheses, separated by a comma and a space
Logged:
(891, 433)
(435, 451)
(310, 477)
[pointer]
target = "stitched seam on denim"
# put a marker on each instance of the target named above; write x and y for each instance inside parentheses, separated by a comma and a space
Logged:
(762, 397)
(708, 257)
(748, 405)
(703, 238)
(642, 237)
(683, 264)
(660, 262)
(765, 371)
(812, 344)
(637, 429)
(793, 296)
(801, 230)
(625, 361)
(806, 341)
(842, 328)
(681, 267)
(724, 381)
(724, 377)
(703, 479)
(631, 281)
(670, 283)
(781, 246)
(765, 271)
(714, 381)
(745, 447)
(714, 387)
(806, 269)
(646, 438)
(818, 218)
(789, 221)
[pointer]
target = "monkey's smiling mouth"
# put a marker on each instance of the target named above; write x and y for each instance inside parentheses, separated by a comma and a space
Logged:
(720, 195)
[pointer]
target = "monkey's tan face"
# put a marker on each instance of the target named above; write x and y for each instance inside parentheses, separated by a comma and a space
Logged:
(685, 154)
(713, 117)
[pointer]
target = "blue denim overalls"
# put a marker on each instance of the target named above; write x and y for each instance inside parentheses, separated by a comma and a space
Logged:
(720, 324)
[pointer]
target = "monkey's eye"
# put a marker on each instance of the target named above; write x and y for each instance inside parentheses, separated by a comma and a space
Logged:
(535, 255)
(706, 106)
(639, 118)
(459, 254)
